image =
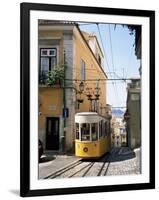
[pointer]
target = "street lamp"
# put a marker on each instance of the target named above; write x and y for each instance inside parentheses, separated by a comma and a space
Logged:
(96, 93)
(89, 94)
(81, 86)
(80, 91)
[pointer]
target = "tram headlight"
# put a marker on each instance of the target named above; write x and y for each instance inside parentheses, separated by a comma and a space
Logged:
(85, 149)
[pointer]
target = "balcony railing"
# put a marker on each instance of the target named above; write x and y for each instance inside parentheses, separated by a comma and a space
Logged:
(43, 81)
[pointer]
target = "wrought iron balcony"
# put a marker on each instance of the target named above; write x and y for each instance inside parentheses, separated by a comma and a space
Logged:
(43, 81)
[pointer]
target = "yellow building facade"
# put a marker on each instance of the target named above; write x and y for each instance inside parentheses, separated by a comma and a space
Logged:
(83, 64)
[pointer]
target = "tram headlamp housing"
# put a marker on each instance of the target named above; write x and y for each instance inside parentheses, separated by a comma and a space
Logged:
(85, 149)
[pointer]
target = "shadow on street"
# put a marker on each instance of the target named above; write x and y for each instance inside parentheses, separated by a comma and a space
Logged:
(120, 154)
(116, 154)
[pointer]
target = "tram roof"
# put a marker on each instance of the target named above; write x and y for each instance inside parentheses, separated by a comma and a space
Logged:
(86, 114)
(87, 117)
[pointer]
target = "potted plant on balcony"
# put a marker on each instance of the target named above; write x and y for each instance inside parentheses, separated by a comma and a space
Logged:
(55, 76)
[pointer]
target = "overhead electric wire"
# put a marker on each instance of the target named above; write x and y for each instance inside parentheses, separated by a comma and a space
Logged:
(113, 83)
(116, 75)
(109, 79)
(103, 47)
(106, 58)
(129, 60)
(111, 48)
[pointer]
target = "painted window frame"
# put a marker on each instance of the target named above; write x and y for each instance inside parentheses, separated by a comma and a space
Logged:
(49, 57)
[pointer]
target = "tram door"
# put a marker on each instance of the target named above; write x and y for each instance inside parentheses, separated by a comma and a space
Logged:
(52, 133)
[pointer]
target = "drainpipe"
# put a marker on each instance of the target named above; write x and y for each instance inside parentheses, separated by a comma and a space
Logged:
(64, 106)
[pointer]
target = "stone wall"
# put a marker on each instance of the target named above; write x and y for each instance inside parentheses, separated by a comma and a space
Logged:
(69, 91)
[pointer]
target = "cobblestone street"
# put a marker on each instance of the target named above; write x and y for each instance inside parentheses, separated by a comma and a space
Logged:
(124, 162)
(120, 161)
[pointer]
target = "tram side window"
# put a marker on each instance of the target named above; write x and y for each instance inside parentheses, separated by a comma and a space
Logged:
(103, 129)
(85, 132)
(105, 124)
(94, 131)
(100, 128)
(106, 129)
(109, 129)
(77, 131)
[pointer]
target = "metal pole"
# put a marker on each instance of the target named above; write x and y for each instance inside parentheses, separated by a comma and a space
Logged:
(64, 106)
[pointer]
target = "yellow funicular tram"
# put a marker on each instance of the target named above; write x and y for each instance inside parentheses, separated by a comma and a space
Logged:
(92, 135)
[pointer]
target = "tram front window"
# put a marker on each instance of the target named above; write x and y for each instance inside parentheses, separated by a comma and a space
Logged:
(85, 132)
(94, 131)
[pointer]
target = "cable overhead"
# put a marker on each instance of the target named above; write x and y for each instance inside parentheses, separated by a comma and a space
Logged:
(115, 91)
(116, 75)
(111, 78)
(129, 60)
(113, 83)
(103, 47)
(111, 48)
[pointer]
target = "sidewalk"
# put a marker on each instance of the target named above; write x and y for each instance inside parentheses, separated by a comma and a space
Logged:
(50, 163)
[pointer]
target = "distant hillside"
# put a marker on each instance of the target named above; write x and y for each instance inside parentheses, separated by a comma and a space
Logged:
(118, 112)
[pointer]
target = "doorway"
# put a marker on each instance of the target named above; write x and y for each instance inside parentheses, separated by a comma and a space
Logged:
(52, 133)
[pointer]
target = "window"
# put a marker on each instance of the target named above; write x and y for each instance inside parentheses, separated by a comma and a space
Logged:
(103, 129)
(85, 132)
(98, 57)
(77, 131)
(48, 60)
(106, 128)
(48, 52)
(94, 131)
(100, 128)
(83, 70)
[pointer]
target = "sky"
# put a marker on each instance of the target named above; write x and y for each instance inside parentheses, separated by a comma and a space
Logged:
(120, 60)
